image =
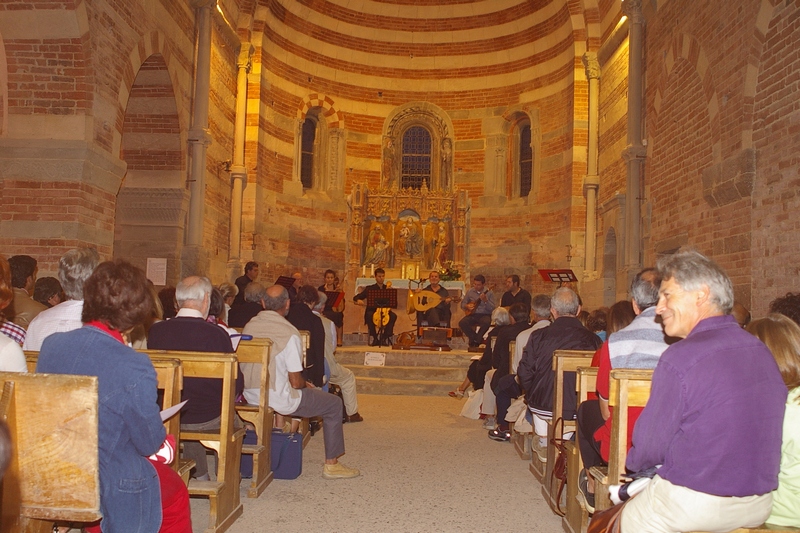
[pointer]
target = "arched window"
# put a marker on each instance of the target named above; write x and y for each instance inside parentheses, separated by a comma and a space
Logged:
(525, 160)
(416, 163)
(307, 138)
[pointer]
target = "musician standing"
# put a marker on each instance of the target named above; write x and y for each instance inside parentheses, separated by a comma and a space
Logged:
(438, 316)
(514, 294)
(478, 305)
(369, 313)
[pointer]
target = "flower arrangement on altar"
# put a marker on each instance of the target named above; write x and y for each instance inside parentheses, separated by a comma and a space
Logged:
(449, 273)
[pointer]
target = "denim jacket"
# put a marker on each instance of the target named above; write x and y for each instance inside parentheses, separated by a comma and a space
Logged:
(130, 427)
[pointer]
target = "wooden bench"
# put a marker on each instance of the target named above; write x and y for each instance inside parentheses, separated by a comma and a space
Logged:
(576, 519)
(223, 494)
(169, 375)
(627, 388)
(261, 416)
(563, 361)
(54, 474)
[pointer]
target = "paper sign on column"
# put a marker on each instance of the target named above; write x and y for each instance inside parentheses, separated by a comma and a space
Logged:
(157, 270)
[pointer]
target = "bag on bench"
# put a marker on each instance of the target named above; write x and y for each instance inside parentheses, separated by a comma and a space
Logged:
(287, 454)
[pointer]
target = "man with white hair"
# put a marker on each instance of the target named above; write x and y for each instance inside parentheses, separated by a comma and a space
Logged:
(289, 392)
(74, 268)
(189, 331)
(713, 423)
(341, 376)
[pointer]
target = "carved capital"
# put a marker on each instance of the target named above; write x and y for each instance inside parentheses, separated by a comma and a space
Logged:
(200, 135)
(591, 183)
(633, 10)
(244, 60)
(592, 65)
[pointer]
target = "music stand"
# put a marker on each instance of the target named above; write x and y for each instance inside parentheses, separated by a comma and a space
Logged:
(285, 281)
(381, 298)
(334, 299)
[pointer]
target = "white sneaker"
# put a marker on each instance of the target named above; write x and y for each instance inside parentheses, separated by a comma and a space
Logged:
(489, 423)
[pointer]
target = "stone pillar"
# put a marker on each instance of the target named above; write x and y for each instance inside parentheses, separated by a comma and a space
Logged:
(336, 158)
(592, 181)
(635, 153)
(238, 170)
(199, 136)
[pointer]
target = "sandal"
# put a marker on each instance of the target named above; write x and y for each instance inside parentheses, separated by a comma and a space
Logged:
(458, 393)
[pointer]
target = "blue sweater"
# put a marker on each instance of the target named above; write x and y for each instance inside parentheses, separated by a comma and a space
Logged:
(129, 424)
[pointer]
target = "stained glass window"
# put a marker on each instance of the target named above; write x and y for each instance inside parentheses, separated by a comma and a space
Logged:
(416, 168)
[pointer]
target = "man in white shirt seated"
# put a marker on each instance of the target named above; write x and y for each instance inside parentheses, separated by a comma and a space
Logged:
(289, 393)
(74, 268)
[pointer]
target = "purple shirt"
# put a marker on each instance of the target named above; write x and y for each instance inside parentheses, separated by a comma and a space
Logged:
(715, 413)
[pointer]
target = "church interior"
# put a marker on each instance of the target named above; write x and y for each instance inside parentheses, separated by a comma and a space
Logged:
(469, 137)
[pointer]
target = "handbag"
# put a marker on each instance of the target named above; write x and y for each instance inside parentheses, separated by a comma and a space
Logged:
(558, 476)
(472, 407)
(286, 454)
(607, 521)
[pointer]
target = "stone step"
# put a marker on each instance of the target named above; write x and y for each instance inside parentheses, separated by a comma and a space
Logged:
(455, 358)
(404, 387)
(412, 373)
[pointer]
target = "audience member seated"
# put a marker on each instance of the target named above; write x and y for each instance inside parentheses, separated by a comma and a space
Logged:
(385, 336)
(341, 376)
(438, 316)
(515, 294)
(189, 331)
(216, 310)
(782, 337)
(47, 291)
(787, 305)
(302, 317)
(503, 382)
(632, 343)
(169, 306)
(596, 322)
(289, 393)
(741, 314)
(136, 493)
(712, 425)
(480, 366)
(229, 292)
(11, 357)
(241, 314)
(535, 371)
(478, 304)
(23, 278)
(250, 275)
(541, 319)
(74, 268)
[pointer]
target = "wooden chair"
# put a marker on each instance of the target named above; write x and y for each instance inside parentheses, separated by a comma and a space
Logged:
(564, 361)
(577, 519)
(627, 388)
(223, 494)
(54, 474)
(261, 415)
(305, 338)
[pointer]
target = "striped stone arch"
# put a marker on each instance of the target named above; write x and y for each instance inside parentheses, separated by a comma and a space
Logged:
(756, 48)
(151, 43)
(333, 117)
(586, 25)
(686, 47)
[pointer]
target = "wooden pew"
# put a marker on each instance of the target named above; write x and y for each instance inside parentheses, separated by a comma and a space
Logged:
(169, 375)
(563, 361)
(261, 415)
(54, 473)
(627, 388)
(576, 519)
(223, 494)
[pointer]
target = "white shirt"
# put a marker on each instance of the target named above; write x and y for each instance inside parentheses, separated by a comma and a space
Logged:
(522, 341)
(11, 357)
(281, 398)
(65, 316)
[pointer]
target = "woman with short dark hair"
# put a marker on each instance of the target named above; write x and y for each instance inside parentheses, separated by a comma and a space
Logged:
(11, 357)
(137, 493)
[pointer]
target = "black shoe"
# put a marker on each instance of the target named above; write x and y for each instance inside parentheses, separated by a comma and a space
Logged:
(584, 496)
(500, 435)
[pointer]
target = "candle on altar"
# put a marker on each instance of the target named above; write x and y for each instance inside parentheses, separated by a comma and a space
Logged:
(363, 270)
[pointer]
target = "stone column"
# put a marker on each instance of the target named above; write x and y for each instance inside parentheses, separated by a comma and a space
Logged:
(336, 158)
(238, 170)
(592, 181)
(635, 153)
(199, 136)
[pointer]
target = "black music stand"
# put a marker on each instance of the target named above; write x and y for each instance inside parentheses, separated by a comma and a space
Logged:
(334, 299)
(381, 299)
(285, 281)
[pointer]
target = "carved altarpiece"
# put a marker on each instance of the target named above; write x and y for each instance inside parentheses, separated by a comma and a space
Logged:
(390, 227)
